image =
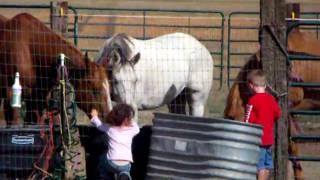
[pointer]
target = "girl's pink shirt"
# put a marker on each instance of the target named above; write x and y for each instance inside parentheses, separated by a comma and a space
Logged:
(120, 139)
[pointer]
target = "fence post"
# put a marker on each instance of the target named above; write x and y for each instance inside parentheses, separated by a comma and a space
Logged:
(275, 65)
(59, 17)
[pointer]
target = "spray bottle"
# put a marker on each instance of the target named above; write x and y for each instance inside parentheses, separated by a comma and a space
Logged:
(16, 92)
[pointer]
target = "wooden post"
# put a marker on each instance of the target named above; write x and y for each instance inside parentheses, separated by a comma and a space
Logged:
(59, 17)
(272, 13)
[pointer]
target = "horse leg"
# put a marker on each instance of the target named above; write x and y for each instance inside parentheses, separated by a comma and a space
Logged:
(135, 108)
(294, 150)
(197, 103)
(178, 105)
(296, 97)
(296, 165)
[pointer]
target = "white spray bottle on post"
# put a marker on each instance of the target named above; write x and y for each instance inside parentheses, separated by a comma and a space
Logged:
(16, 92)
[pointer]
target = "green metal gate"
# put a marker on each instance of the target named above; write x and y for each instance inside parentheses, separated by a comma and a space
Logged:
(292, 57)
(243, 38)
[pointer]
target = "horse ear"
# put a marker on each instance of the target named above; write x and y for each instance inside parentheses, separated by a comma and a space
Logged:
(86, 58)
(134, 60)
(257, 54)
(115, 57)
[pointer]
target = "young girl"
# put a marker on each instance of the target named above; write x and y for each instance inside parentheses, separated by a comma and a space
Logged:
(120, 130)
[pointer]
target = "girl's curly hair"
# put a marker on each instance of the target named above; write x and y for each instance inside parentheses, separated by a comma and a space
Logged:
(119, 113)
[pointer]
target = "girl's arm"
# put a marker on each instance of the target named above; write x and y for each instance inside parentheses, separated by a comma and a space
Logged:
(136, 128)
(98, 124)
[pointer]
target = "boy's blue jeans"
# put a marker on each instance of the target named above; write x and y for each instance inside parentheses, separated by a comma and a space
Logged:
(107, 169)
(265, 158)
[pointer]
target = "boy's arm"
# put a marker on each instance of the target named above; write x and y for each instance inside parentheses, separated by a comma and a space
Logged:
(98, 124)
(277, 111)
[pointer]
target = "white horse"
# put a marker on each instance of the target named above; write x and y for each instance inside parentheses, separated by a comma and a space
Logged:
(173, 69)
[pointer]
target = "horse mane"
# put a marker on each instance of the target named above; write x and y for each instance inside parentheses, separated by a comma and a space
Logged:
(119, 42)
(253, 62)
(239, 93)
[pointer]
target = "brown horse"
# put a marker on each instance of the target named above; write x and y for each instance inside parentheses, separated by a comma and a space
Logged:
(29, 47)
(299, 98)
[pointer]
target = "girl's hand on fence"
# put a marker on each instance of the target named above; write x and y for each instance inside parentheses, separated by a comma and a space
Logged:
(94, 113)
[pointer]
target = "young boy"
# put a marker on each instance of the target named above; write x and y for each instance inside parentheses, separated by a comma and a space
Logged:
(262, 109)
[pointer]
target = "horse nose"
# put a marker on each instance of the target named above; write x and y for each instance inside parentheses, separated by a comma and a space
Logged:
(114, 103)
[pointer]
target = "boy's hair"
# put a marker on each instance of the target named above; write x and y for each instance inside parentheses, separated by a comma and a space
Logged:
(257, 78)
(119, 113)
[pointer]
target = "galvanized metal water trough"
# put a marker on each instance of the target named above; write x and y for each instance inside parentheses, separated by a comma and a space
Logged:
(185, 147)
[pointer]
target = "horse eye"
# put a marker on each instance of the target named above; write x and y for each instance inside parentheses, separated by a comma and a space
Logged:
(115, 82)
(95, 92)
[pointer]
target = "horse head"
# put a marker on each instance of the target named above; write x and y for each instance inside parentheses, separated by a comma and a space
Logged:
(117, 55)
(92, 87)
(240, 93)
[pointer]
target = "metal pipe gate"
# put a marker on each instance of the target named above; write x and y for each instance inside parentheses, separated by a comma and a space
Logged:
(292, 57)
(249, 23)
